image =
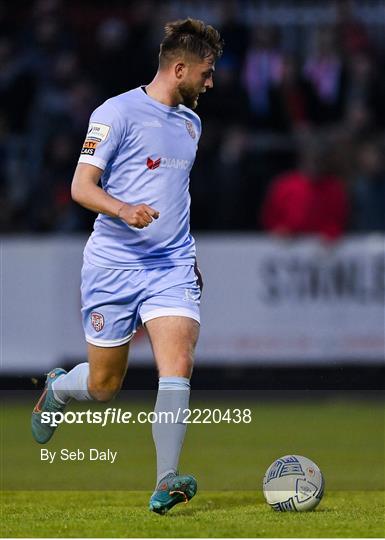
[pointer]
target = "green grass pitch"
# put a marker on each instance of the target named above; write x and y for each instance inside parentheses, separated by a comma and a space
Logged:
(211, 514)
(87, 499)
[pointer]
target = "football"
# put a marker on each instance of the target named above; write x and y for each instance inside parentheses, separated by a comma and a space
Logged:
(293, 483)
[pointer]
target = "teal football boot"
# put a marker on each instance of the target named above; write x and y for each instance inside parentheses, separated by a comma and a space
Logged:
(171, 490)
(47, 403)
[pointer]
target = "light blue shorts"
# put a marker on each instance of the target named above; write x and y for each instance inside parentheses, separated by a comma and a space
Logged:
(115, 302)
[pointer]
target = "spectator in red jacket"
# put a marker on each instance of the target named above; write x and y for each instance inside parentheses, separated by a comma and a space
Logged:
(310, 200)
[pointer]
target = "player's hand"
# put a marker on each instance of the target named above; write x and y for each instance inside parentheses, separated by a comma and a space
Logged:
(139, 215)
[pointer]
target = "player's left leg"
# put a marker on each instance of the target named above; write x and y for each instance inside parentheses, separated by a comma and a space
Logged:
(173, 340)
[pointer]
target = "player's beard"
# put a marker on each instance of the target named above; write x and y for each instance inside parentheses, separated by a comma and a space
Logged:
(189, 95)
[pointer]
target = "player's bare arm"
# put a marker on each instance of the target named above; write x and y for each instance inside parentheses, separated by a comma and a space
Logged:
(86, 192)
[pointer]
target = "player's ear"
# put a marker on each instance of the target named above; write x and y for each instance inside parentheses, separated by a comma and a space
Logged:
(180, 70)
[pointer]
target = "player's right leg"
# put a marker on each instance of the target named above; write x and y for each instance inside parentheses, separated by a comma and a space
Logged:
(98, 379)
(109, 310)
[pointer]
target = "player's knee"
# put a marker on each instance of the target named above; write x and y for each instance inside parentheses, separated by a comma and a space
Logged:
(104, 389)
(182, 366)
(187, 367)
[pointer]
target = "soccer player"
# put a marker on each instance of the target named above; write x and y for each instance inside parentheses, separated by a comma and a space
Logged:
(139, 262)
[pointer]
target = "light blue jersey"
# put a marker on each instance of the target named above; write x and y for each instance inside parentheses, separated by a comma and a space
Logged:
(146, 150)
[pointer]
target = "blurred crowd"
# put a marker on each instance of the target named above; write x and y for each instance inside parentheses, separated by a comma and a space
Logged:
(294, 129)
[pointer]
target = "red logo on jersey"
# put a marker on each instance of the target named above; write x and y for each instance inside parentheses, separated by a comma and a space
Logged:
(153, 164)
(97, 321)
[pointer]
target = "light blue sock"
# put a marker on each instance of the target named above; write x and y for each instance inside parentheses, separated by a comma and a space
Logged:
(173, 397)
(73, 384)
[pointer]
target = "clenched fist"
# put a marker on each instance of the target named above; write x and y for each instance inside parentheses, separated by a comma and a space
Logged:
(139, 216)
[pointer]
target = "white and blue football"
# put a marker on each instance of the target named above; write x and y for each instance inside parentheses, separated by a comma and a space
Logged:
(293, 483)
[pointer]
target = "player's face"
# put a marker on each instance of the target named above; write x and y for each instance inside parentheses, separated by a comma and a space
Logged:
(198, 78)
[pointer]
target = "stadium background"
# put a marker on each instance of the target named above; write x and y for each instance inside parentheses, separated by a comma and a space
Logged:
(293, 323)
(300, 88)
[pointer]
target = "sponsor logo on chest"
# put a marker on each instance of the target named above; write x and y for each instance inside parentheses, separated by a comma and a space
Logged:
(168, 163)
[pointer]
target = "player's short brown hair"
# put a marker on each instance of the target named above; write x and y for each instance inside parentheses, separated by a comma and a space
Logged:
(191, 37)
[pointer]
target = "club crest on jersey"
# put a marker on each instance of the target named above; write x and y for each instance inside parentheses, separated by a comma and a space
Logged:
(97, 321)
(190, 129)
